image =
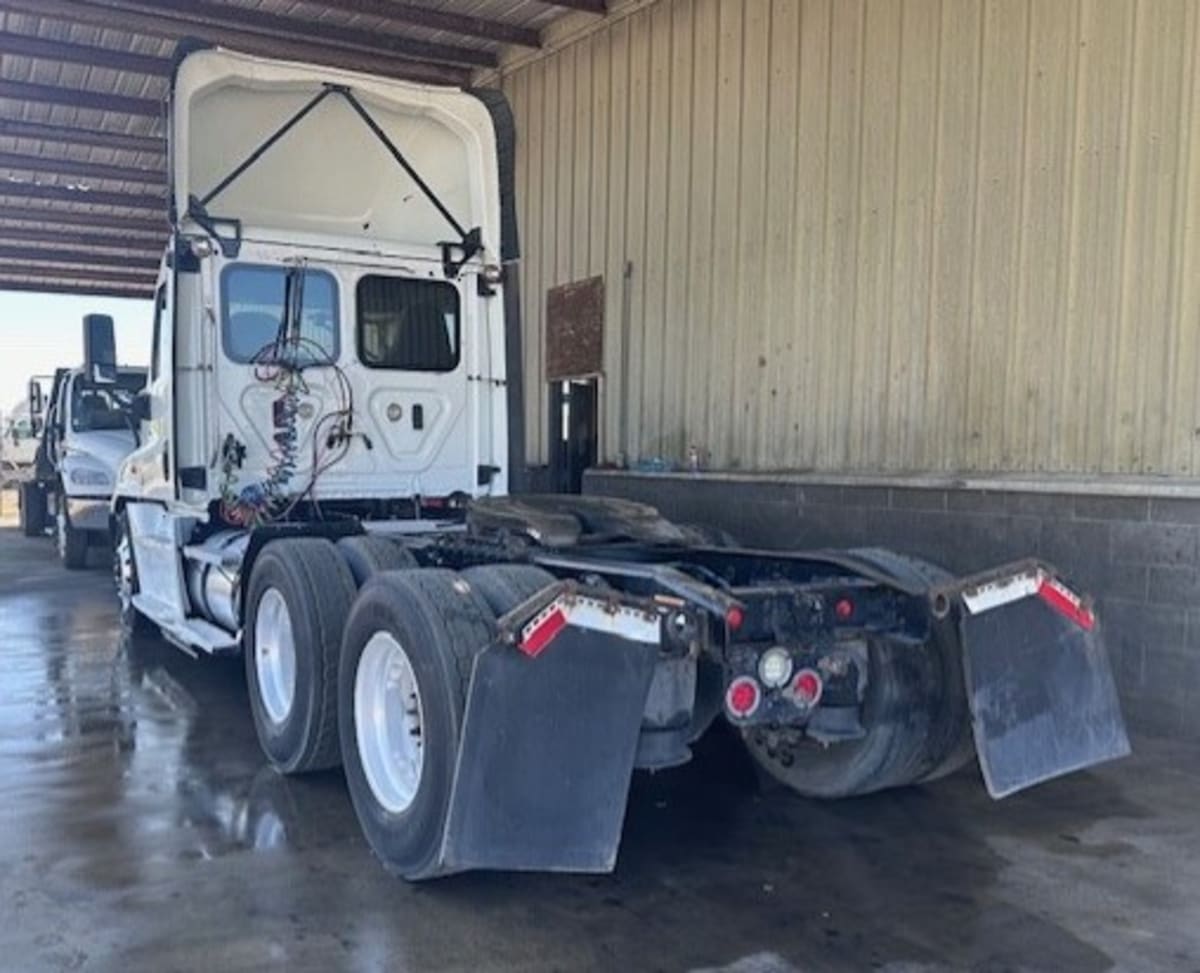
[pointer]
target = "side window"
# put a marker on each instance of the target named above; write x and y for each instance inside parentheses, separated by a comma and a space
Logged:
(408, 325)
(257, 302)
(160, 307)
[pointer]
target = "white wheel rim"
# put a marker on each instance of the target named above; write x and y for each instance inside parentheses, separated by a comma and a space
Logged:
(60, 524)
(389, 722)
(275, 655)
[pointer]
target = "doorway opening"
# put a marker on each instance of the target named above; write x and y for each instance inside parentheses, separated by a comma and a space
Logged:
(574, 431)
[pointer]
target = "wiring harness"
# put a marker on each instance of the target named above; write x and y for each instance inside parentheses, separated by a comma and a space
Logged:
(281, 364)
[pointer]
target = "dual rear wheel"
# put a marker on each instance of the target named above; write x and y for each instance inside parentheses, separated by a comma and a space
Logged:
(374, 679)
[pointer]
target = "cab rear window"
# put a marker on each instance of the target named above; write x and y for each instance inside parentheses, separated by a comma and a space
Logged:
(254, 304)
(408, 325)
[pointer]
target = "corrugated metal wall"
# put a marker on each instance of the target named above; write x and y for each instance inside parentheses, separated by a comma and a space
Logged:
(877, 234)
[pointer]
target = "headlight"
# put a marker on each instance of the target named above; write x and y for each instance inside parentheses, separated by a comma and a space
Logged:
(84, 477)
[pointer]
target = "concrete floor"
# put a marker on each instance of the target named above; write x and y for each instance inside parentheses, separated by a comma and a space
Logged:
(143, 831)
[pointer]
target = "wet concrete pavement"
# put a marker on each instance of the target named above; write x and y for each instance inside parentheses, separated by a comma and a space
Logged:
(142, 830)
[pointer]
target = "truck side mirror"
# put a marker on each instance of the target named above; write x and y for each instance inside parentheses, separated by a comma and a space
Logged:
(37, 400)
(99, 348)
(139, 408)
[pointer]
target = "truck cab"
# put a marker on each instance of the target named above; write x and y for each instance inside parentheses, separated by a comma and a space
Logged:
(87, 431)
(19, 439)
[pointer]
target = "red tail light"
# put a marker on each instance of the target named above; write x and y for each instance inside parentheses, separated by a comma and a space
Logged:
(807, 687)
(742, 697)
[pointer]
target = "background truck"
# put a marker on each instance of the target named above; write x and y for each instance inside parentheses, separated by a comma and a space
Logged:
(18, 439)
(87, 430)
(321, 485)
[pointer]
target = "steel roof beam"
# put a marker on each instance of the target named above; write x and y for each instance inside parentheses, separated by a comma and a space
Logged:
(54, 220)
(83, 170)
(80, 98)
(588, 6)
(205, 13)
(85, 258)
(257, 43)
(43, 48)
(65, 236)
(68, 135)
(133, 290)
(88, 197)
(464, 25)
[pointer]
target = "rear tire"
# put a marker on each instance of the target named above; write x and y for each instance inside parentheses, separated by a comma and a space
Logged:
(915, 713)
(125, 577)
(369, 554)
(72, 542)
(298, 600)
(504, 586)
(405, 670)
(31, 499)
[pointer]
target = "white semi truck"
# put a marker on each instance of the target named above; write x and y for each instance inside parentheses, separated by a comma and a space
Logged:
(87, 429)
(321, 486)
(18, 440)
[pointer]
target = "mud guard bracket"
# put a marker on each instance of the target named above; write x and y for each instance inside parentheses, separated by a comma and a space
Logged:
(547, 752)
(1041, 690)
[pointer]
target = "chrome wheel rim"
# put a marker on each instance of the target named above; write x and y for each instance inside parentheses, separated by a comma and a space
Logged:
(389, 722)
(275, 655)
(60, 533)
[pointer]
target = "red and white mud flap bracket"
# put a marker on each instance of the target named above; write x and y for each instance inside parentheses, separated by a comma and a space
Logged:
(1043, 701)
(549, 735)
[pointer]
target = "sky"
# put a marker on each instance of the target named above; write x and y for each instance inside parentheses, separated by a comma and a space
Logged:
(41, 332)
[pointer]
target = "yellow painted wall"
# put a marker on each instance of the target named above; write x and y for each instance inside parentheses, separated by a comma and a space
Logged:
(909, 235)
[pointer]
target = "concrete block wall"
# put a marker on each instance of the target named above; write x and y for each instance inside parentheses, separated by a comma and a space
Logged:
(1138, 555)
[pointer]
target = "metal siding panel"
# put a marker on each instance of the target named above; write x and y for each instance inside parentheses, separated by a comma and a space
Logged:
(911, 263)
(636, 205)
(870, 234)
(834, 392)
(616, 291)
(749, 352)
(658, 183)
(677, 325)
(696, 355)
(876, 229)
(953, 220)
(997, 229)
(1103, 107)
(814, 334)
(1045, 215)
(723, 324)
(780, 325)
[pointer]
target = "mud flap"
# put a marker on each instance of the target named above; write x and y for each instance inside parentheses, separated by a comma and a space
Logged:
(1043, 701)
(547, 752)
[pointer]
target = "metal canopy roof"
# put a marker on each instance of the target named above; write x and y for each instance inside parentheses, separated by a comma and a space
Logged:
(82, 99)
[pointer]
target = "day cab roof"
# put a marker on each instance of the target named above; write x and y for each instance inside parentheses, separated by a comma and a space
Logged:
(316, 148)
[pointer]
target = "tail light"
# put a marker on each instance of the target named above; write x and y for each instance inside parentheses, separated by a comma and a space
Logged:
(806, 688)
(742, 698)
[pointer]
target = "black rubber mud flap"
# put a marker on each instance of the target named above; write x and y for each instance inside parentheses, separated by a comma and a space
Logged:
(547, 753)
(1043, 700)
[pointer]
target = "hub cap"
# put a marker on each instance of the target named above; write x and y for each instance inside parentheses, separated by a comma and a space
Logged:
(388, 722)
(275, 655)
(60, 533)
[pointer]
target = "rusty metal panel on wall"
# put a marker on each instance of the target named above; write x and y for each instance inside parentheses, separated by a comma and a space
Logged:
(575, 329)
(875, 235)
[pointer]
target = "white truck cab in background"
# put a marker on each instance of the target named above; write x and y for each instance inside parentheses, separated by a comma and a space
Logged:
(18, 439)
(87, 430)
